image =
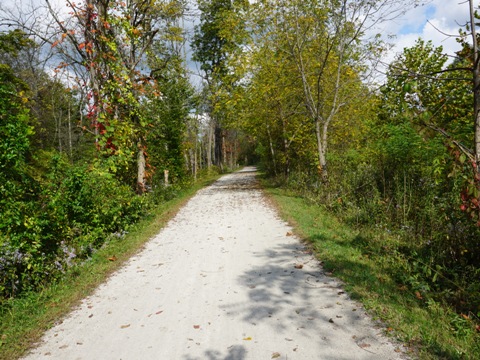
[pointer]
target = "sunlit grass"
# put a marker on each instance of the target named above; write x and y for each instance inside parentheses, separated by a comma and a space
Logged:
(429, 330)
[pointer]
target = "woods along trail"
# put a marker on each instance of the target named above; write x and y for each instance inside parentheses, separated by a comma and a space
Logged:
(221, 281)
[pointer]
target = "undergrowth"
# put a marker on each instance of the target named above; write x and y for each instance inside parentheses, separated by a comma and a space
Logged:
(389, 276)
(23, 319)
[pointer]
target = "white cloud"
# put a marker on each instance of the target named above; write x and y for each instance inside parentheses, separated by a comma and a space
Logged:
(438, 21)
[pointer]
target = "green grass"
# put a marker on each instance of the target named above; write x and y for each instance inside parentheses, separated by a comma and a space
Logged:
(430, 331)
(23, 321)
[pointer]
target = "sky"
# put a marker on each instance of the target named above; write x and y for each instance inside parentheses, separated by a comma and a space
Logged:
(433, 21)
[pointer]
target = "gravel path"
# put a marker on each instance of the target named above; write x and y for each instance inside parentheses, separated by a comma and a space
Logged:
(220, 281)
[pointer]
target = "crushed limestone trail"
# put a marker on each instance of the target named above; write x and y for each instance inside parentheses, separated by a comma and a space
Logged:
(221, 281)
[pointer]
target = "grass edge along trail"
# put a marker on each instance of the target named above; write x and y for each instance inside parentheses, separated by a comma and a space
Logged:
(30, 316)
(428, 329)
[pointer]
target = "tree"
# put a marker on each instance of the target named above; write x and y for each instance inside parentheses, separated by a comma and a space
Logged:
(111, 40)
(326, 42)
(217, 44)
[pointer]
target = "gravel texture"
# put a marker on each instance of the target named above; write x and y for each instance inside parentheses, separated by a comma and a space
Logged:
(225, 279)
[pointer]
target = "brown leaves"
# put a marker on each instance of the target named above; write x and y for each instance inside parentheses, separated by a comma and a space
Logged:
(124, 326)
(298, 266)
(289, 233)
(196, 327)
(112, 258)
(275, 355)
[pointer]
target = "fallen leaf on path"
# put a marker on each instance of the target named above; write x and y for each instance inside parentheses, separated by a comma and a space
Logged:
(90, 316)
(158, 312)
(288, 339)
(124, 326)
(196, 326)
(247, 338)
(275, 355)
(364, 345)
(331, 321)
(63, 347)
(289, 233)
(298, 266)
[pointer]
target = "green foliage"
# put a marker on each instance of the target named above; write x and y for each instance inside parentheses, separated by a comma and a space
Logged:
(400, 286)
(168, 115)
(73, 211)
(14, 128)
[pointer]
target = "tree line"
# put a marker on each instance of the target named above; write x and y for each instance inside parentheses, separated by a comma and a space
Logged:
(99, 122)
(300, 79)
(292, 85)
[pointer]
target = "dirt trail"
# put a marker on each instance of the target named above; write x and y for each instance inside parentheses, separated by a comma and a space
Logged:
(219, 282)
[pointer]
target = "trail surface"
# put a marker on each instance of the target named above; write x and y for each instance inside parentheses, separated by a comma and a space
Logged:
(219, 282)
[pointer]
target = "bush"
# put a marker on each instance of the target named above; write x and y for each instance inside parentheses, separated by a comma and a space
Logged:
(72, 212)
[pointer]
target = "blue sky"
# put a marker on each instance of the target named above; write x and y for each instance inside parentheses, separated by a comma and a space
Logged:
(431, 22)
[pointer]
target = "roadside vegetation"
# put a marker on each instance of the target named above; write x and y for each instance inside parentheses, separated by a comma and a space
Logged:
(375, 269)
(100, 126)
(24, 319)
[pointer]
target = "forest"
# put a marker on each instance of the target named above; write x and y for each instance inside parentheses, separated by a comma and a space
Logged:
(100, 121)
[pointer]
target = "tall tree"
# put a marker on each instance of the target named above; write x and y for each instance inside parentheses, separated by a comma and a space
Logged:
(217, 42)
(326, 42)
(110, 40)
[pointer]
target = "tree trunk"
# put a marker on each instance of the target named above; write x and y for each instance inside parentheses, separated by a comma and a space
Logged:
(210, 145)
(140, 170)
(286, 146)
(70, 146)
(476, 89)
(218, 145)
(272, 150)
(224, 150)
(321, 150)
